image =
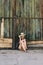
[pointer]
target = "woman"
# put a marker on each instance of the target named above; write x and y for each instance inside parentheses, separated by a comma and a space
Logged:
(22, 42)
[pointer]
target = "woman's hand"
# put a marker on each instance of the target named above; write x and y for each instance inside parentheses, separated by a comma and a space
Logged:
(19, 36)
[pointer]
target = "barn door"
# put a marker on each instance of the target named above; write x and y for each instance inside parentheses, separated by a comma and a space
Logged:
(28, 18)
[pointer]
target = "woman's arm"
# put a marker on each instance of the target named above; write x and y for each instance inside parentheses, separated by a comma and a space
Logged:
(19, 40)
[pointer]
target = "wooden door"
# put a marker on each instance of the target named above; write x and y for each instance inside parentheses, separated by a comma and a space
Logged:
(29, 14)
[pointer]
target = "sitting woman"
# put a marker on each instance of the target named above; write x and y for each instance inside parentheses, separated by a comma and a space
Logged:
(22, 42)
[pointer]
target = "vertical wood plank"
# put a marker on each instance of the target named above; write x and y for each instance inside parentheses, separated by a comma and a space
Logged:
(13, 23)
(2, 28)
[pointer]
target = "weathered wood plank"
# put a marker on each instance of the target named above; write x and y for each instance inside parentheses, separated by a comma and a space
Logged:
(35, 42)
(5, 43)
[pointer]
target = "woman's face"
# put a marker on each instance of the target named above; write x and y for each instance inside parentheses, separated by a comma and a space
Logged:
(22, 37)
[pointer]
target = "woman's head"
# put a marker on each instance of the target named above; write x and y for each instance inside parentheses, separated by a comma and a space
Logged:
(22, 35)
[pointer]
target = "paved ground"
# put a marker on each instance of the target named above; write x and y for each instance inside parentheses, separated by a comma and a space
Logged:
(15, 57)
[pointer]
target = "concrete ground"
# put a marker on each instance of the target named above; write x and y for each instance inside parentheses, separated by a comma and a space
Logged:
(16, 57)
